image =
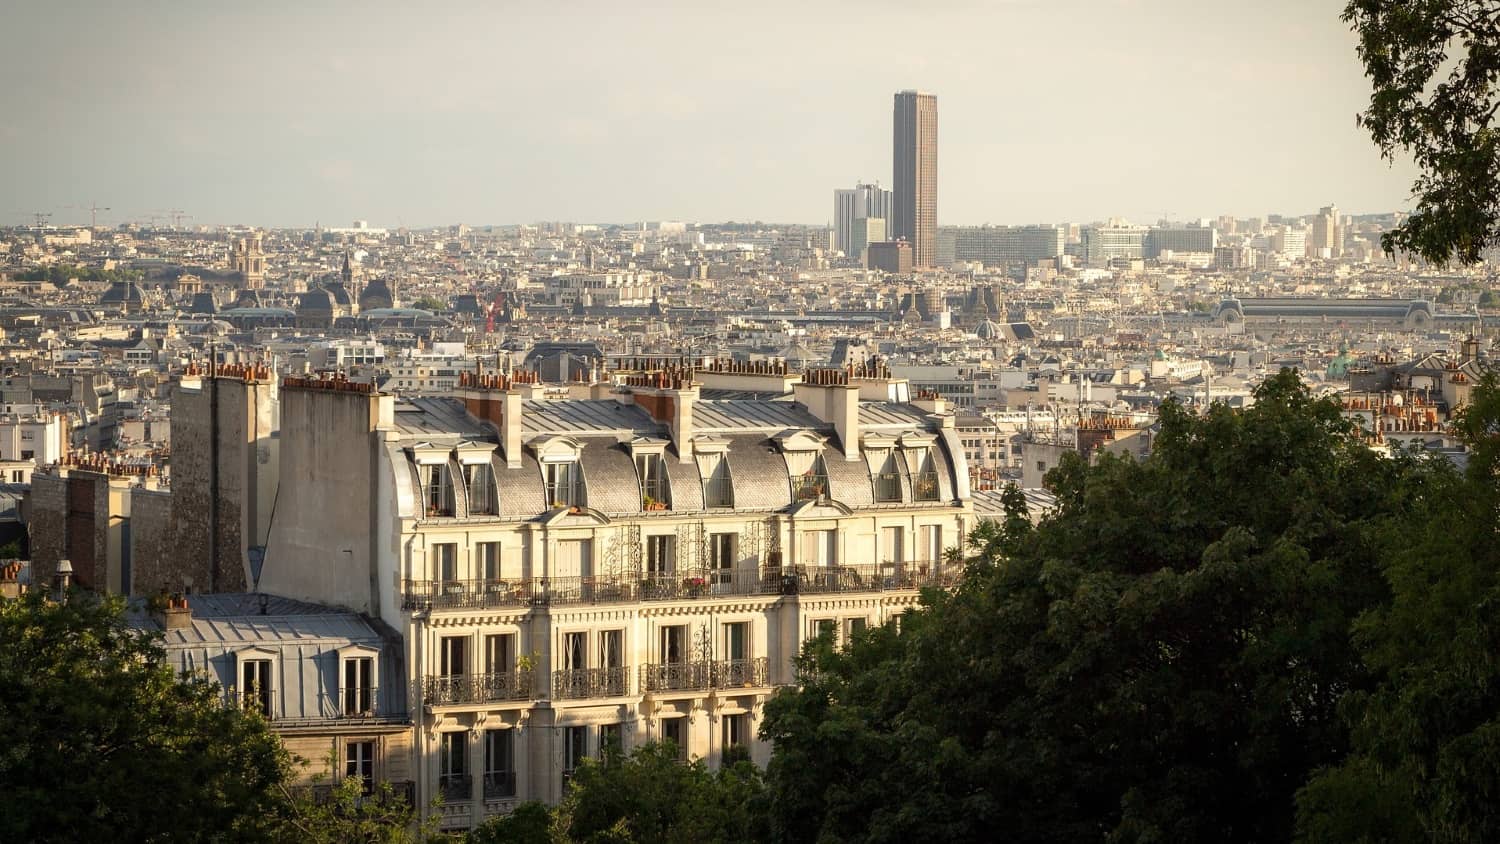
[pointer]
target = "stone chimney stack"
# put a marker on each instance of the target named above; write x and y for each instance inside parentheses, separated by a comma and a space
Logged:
(176, 614)
(668, 395)
(499, 400)
(829, 395)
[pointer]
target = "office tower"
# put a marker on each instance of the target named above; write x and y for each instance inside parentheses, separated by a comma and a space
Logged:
(1190, 239)
(1116, 239)
(1000, 246)
(914, 194)
(1326, 233)
(860, 202)
(867, 230)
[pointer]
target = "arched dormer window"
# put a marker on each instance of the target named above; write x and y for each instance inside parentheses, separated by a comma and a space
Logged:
(562, 476)
(436, 479)
(885, 469)
(478, 477)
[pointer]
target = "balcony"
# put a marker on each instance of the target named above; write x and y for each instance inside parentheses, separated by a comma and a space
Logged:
(691, 676)
(887, 487)
(478, 688)
(584, 683)
(882, 577)
(499, 785)
(403, 791)
(456, 788)
(924, 486)
(465, 594)
(704, 583)
(809, 487)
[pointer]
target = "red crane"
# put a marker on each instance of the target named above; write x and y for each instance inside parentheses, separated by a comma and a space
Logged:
(497, 304)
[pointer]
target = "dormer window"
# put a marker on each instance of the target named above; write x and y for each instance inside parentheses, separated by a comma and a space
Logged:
(924, 481)
(887, 477)
(812, 483)
(479, 484)
(437, 489)
(652, 472)
(718, 486)
(563, 489)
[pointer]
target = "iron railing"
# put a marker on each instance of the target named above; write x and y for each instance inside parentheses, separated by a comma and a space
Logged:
(581, 683)
(478, 688)
(465, 594)
(403, 790)
(718, 492)
(654, 494)
(357, 702)
(703, 674)
(456, 787)
(924, 486)
(809, 487)
(887, 487)
(499, 784)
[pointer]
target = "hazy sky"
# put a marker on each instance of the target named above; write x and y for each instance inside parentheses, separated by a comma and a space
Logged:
(286, 114)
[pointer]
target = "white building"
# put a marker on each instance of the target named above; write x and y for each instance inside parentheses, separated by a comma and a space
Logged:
(641, 565)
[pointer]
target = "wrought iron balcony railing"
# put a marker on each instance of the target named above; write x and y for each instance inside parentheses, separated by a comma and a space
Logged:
(887, 487)
(478, 688)
(924, 486)
(456, 788)
(809, 487)
(499, 784)
(581, 683)
(703, 674)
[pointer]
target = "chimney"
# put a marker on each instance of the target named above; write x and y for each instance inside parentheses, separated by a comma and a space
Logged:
(497, 399)
(669, 396)
(10, 579)
(62, 578)
(1470, 350)
(510, 427)
(828, 395)
(176, 615)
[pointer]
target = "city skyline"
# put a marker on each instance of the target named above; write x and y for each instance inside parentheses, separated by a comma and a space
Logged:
(334, 113)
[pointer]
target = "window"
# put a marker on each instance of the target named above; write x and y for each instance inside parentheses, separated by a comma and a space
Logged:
(437, 489)
(359, 686)
(499, 764)
(888, 479)
(659, 557)
(611, 648)
(652, 474)
(563, 489)
(255, 686)
(359, 761)
(453, 657)
(811, 483)
(736, 731)
(674, 644)
(735, 635)
(27, 454)
(819, 548)
(924, 484)
(721, 557)
(499, 653)
(892, 545)
(575, 651)
(718, 487)
(575, 749)
(453, 751)
(672, 730)
(479, 484)
(930, 546)
(611, 737)
(826, 626)
(853, 626)
(445, 556)
(487, 560)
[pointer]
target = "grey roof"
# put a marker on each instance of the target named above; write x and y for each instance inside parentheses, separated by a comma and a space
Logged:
(891, 414)
(595, 416)
(710, 416)
(439, 419)
(521, 490)
(236, 619)
(848, 480)
(758, 474)
(609, 476)
(685, 485)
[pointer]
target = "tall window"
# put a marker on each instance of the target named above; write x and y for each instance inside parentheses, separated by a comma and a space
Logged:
(359, 686)
(672, 730)
(359, 761)
(888, 479)
(659, 558)
(575, 651)
(736, 731)
(718, 488)
(674, 644)
(499, 653)
(563, 488)
(651, 471)
(575, 749)
(255, 686)
(819, 548)
(924, 484)
(721, 557)
(437, 489)
(735, 635)
(479, 484)
(611, 648)
(453, 765)
(453, 656)
(499, 763)
(931, 544)
(445, 556)
(892, 545)
(611, 737)
(488, 560)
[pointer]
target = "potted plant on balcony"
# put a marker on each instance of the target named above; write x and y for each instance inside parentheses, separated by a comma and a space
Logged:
(649, 503)
(693, 586)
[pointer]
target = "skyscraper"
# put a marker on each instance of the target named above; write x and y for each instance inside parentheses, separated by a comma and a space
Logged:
(914, 182)
(861, 202)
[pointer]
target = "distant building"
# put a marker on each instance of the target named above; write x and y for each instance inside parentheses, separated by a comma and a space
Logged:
(1116, 239)
(1325, 237)
(867, 230)
(892, 256)
(850, 207)
(1190, 239)
(914, 197)
(247, 258)
(1001, 246)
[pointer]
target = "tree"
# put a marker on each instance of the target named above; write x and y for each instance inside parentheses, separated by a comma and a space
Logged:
(528, 823)
(1425, 761)
(1160, 659)
(650, 796)
(430, 303)
(344, 814)
(104, 743)
(1434, 65)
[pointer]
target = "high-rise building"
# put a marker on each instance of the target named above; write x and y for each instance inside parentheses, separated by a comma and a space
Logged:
(1325, 237)
(867, 230)
(1190, 239)
(1116, 239)
(914, 182)
(860, 202)
(1000, 246)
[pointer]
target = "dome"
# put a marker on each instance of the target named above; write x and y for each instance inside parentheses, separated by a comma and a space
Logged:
(340, 294)
(988, 330)
(316, 301)
(376, 295)
(123, 293)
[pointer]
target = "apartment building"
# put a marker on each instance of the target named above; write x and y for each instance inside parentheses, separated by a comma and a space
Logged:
(643, 564)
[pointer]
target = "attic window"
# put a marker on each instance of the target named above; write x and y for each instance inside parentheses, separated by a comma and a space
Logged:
(718, 485)
(437, 489)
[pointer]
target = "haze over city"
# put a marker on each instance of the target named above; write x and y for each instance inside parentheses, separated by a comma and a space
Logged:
(285, 114)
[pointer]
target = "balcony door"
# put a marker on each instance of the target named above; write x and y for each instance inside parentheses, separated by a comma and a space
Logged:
(819, 548)
(574, 559)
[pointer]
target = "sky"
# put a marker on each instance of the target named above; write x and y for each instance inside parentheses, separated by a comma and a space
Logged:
(286, 114)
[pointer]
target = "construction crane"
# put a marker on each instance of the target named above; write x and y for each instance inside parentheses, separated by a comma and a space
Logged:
(489, 321)
(41, 218)
(178, 215)
(93, 208)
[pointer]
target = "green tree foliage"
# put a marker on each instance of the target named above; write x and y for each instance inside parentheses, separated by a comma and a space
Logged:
(344, 814)
(61, 274)
(1426, 741)
(430, 303)
(104, 743)
(1161, 659)
(528, 823)
(1434, 66)
(649, 797)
